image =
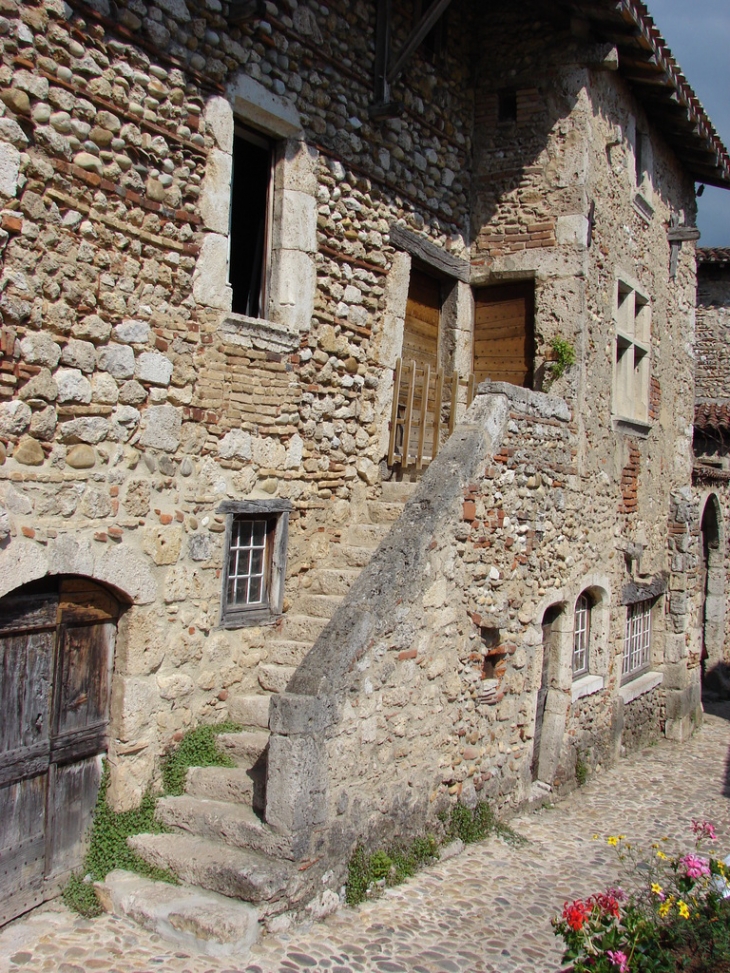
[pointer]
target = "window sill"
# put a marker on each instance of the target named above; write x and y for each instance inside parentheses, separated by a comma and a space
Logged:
(643, 207)
(259, 333)
(586, 686)
(250, 619)
(640, 686)
(631, 427)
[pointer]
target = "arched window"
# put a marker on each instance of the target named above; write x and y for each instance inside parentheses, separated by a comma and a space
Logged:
(581, 635)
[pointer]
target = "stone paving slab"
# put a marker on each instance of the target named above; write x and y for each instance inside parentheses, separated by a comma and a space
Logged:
(487, 910)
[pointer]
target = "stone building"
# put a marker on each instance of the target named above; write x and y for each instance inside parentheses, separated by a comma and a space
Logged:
(347, 391)
(711, 473)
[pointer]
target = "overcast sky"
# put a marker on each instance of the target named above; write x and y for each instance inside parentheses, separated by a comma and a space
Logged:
(698, 34)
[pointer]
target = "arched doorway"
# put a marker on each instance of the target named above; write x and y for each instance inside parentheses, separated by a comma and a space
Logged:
(57, 639)
(712, 585)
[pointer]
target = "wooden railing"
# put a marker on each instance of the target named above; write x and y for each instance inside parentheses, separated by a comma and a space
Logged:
(425, 405)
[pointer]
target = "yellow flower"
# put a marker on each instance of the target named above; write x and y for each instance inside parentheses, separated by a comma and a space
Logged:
(660, 854)
(665, 907)
(596, 837)
(683, 909)
(612, 840)
(656, 889)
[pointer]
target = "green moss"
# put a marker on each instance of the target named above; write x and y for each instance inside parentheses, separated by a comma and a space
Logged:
(581, 771)
(108, 849)
(564, 356)
(110, 829)
(198, 748)
(369, 871)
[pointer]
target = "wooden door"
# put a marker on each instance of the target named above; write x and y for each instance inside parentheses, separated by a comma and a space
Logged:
(421, 328)
(56, 653)
(504, 333)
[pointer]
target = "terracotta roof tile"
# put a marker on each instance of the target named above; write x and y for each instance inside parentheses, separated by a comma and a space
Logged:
(712, 414)
(713, 255)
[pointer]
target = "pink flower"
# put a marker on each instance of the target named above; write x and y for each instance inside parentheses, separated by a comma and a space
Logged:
(704, 830)
(694, 866)
(619, 959)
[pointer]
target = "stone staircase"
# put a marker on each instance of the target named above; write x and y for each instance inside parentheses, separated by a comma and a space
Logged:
(218, 840)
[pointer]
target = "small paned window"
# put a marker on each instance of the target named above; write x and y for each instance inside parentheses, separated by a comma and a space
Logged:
(255, 563)
(581, 635)
(633, 334)
(248, 552)
(637, 639)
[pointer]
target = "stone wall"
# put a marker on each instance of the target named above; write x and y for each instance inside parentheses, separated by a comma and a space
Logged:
(134, 403)
(423, 688)
(713, 331)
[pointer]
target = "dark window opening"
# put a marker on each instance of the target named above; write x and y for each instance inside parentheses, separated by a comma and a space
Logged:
(434, 45)
(250, 221)
(507, 106)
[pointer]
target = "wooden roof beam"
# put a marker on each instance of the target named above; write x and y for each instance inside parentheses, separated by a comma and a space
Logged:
(417, 35)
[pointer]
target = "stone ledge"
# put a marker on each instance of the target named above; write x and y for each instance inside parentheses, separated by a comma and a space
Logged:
(259, 333)
(586, 686)
(640, 686)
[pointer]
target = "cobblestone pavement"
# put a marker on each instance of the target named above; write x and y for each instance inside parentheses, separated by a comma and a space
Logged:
(485, 911)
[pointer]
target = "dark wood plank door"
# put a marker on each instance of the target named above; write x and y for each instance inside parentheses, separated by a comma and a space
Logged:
(57, 648)
(504, 333)
(421, 328)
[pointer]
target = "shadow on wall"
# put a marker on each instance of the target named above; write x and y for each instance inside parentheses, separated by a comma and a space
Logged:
(716, 700)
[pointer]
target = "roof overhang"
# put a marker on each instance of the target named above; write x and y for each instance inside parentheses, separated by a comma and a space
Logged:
(650, 68)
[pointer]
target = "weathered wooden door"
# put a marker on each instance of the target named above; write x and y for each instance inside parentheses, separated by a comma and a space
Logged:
(421, 326)
(56, 652)
(504, 333)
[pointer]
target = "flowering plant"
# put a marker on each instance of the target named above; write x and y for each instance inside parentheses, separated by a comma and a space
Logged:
(674, 915)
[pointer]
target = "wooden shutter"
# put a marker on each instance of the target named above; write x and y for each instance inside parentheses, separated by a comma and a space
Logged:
(421, 330)
(504, 333)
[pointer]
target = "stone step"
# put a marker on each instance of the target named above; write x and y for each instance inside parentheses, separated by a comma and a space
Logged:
(234, 784)
(349, 556)
(332, 581)
(366, 535)
(397, 491)
(234, 824)
(249, 711)
(303, 628)
(190, 917)
(383, 512)
(246, 748)
(274, 678)
(212, 865)
(287, 652)
(319, 606)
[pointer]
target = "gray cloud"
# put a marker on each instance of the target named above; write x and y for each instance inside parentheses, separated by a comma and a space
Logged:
(698, 33)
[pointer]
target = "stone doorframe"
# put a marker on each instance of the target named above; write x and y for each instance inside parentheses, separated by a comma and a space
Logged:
(712, 537)
(562, 690)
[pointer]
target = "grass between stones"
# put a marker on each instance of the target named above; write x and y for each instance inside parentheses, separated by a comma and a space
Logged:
(369, 873)
(110, 829)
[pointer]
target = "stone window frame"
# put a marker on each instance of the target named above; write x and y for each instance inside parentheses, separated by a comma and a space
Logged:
(277, 513)
(291, 284)
(642, 168)
(592, 678)
(632, 353)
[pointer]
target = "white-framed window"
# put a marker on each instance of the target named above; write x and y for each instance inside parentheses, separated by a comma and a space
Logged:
(255, 561)
(637, 639)
(581, 635)
(632, 358)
